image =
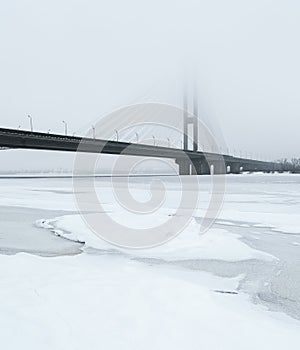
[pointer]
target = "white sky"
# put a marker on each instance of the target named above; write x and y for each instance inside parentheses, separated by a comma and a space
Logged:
(76, 60)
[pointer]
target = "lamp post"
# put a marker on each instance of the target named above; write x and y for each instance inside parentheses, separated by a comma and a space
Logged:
(153, 140)
(66, 127)
(94, 131)
(31, 123)
(168, 142)
(137, 137)
(117, 135)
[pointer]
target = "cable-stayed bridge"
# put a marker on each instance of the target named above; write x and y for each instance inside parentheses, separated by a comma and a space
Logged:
(190, 162)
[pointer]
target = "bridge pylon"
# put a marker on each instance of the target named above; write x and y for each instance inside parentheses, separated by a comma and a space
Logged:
(190, 120)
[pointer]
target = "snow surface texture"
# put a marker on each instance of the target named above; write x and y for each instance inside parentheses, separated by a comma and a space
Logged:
(99, 302)
(104, 299)
(216, 244)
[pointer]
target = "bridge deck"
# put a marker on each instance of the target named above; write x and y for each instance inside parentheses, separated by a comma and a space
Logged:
(11, 138)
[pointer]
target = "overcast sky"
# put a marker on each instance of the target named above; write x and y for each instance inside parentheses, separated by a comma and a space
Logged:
(77, 60)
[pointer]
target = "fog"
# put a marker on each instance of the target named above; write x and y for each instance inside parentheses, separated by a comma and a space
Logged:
(78, 60)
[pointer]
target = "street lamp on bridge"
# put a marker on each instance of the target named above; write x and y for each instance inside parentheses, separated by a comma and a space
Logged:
(94, 131)
(66, 127)
(168, 142)
(31, 123)
(137, 137)
(117, 135)
(153, 140)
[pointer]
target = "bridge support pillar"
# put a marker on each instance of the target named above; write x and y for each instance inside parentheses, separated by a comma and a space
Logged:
(184, 166)
(204, 168)
(219, 168)
(196, 167)
(235, 168)
(248, 168)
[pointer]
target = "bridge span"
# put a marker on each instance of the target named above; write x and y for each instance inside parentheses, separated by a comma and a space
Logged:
(190, 162)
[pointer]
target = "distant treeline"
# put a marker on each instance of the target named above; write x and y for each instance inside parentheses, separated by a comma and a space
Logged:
(292, 165)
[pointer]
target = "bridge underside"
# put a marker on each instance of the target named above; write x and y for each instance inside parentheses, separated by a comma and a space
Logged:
(206, 166)
(190, 162)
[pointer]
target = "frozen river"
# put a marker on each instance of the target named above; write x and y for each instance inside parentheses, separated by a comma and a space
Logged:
(254, 244)
(19, 233)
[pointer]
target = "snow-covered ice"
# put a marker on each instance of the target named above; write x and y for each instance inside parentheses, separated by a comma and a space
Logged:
(234, 287)
(104, 302)
(218, 244)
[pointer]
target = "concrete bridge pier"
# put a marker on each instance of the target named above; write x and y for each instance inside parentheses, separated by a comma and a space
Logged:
(235, 168)
(204, 168)
(196, 167)
(184, 166)
(200, 167)
(219, 168)
(249, 168)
